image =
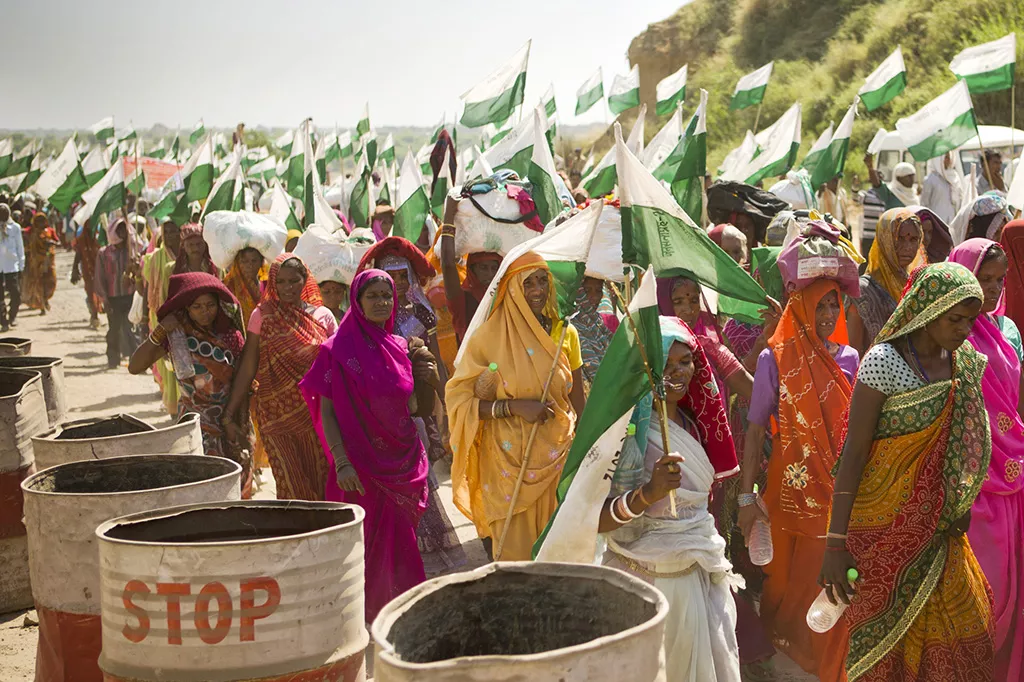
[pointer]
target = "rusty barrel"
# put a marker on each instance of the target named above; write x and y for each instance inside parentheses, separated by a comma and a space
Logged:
(268, 590)
(116, 436)
(22, 415)
(14, 346)
(63, 507)
(524, 622)
(52, 371)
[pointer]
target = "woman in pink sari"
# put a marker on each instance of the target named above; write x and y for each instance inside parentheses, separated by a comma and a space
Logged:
(363, 390)
(997, 518)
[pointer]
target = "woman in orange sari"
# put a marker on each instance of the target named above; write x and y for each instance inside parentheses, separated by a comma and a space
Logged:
(284, 335)
(489, 435)
(40, 265)
(915, 457)
(803, 380)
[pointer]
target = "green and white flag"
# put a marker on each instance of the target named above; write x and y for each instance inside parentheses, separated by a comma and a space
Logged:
(127, 133)
(515, 150)
(345, 143)
(105, 196)
(625, 91)
(571, 533)
(602, 180)
(657, 232)
(281, 207)
(176, 146)
(988, 67)
(63, 182)
(103, 129)
(361, 201)
(498, 134)
(877, 141)
(940, 126)
(671, 91)
(887, 81)
(227, 192)
(387, 154)
(254, 156)
(437, 129)
(443, 184)
(779, 144)
(481, 168)
(316, 210)
(826, 162)
(321, 156)
(590, 93)
(548, 101)
(739, 156)
(136, 181)
(494, 99)
(197, 175)
(12, 182)
(542, 173)
(411, 200)
(332, 151)
(285, 141)
(220, 145)
(293, 177)
(265, 169)
(158, 152)
(6, 155)
(657, 151)
(168, 202)
(750, 89)
(423, 159)
(22, 160)
(363, 126)
(689, 161)
(198, 131)
(565, 248)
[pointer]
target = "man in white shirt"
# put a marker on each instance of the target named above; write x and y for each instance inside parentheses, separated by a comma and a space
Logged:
(12, 262)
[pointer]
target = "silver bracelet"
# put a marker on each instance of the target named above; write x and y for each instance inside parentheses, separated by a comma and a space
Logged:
(626, 510)
(615, 517)
(746, 499)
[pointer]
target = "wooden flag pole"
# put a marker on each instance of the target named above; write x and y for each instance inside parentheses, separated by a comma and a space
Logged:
(757, 117)
(529, 444)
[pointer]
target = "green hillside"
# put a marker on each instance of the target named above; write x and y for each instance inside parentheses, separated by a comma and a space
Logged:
(822, 52)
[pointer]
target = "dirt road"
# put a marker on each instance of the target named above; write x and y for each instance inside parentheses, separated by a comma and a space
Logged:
(93, 390)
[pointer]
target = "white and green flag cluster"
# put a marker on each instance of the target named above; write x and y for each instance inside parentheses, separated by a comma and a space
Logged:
(515, 150)
(940, 126)
(625, 91)
(103, 129)
(988, 67)
(542, 172)
(887, 81)
(63, 181)
(228, 191)
(671, 91)
(778, 146)
(751, 88)
(684, 164)
(494, 99)
(602, 179)
(198, 131)
(827, 157)
(106, 195)
(590, 93)
(413, 205)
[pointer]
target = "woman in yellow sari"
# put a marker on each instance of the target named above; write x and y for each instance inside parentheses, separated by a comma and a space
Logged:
(153, 279)
(488, 436)
(915, 457)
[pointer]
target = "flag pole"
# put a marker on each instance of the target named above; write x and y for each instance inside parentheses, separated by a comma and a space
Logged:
(659, 400)
(529, 444)
(757, 117)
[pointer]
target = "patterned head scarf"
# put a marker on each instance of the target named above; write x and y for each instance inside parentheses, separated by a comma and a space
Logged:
(189, 230)
(989, 205)
(883, 263)
(931, 291)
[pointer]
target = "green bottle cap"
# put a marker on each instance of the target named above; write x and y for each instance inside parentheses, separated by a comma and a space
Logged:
(852, 575)
(631, 430)
(755, 488)
(493, 367)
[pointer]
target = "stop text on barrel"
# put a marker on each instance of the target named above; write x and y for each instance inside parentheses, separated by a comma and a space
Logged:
(214, 610)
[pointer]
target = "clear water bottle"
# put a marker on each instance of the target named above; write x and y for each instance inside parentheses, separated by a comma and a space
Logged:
(823, 614)
(486, 386)
(760, 547)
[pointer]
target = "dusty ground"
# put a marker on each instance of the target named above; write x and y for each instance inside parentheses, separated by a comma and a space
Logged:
(93, 390)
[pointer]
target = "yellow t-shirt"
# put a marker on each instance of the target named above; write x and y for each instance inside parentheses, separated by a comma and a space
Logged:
(571, 345)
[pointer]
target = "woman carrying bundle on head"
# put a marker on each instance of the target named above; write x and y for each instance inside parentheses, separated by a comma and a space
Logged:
(915, 457)
(997, 517)
(194, 253)
(284, 335)
(490, 434)
(896, 249)
(682, 554)
(363, 390)
(200, 330)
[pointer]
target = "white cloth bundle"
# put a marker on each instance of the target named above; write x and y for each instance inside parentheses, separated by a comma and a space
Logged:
(228, 232)
(333, 257)
(476, 232)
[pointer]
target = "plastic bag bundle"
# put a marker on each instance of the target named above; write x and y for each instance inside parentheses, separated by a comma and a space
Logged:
(605, 259)
(228, 232)
(489, 222)
(333, 257)
(820, 252)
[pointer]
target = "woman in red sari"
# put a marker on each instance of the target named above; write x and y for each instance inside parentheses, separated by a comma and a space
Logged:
(40, 265)
(285, 333)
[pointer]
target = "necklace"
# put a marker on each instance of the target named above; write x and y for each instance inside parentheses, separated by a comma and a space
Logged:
(917, 361)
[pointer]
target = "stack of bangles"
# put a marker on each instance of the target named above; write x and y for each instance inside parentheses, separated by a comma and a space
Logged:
(746, 499)
(501, 409)
(158, 335)
(448, 230)
(619, 508)
(835, 536)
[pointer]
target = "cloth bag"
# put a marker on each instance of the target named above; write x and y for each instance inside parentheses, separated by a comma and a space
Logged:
(820, 252)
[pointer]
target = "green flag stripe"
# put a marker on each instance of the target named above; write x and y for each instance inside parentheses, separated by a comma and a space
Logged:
(496, 109)
(411, 216)
(199, 184)
(877, 98)
(603, 183)
(962, 129)
(627, 100)
(545, 196)
(589, 99)
(70, 190)
(667, 106)
(991, 81)
(748, 98)
(111, 200)
(520, 162)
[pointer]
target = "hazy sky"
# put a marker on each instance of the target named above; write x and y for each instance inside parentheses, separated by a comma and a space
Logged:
(273, 63)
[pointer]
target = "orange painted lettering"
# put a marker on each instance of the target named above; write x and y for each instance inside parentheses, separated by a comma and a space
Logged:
(174, 592)
(213, 635)
(136, 634)
(250, 612)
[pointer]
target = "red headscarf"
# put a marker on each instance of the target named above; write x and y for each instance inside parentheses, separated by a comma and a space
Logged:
(1013, 244)
(181, 263)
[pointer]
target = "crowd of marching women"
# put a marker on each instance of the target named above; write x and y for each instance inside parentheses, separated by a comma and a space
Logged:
(702, 384)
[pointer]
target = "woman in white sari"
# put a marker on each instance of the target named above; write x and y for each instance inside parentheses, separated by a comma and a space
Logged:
(683, 556)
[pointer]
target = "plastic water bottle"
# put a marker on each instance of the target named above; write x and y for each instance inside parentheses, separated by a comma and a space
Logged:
(823, 614)
(486, 386)
(760, 547)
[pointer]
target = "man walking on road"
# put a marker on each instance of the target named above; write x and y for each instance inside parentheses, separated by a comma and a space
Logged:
(12, 262)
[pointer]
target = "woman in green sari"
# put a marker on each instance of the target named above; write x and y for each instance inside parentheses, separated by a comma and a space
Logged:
(915, 456)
